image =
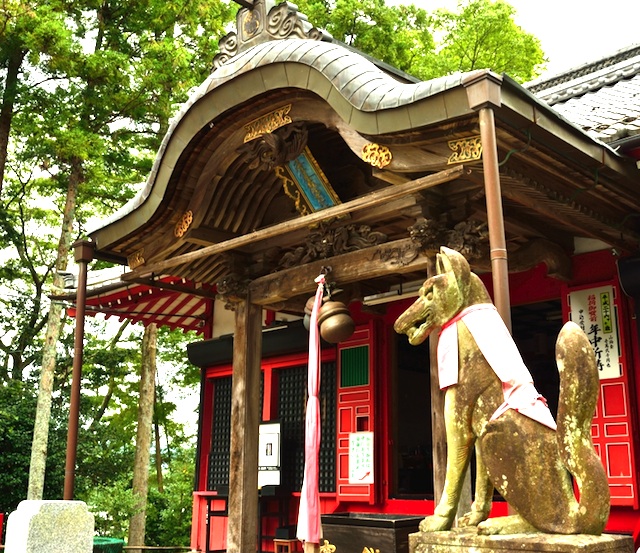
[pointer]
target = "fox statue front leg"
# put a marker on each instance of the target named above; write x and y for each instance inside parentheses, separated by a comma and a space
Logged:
(460, 441)
(483, 495)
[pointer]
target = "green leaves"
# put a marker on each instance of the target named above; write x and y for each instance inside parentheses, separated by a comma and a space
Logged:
(483, 35)
(87, 90)
(479, 34)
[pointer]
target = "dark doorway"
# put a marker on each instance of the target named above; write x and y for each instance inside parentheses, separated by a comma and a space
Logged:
(535, 330)
(411, 416)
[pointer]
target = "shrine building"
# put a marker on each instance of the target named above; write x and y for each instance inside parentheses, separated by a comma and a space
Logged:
(300, 156)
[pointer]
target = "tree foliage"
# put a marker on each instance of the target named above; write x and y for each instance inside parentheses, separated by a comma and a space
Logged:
(480, 34)
(87, 92)
(483, 34)
(396, 35)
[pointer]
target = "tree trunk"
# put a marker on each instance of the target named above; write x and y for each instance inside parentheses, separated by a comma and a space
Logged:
(143, 437)
(112, 380)
(40, 441)
(8, 101)
(43, 409)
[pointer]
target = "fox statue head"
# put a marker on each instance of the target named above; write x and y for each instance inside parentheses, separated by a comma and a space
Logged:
(441, 297)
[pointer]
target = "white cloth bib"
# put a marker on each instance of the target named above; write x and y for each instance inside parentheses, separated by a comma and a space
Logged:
(500, 351)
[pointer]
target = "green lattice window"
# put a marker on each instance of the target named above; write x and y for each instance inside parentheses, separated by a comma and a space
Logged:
(354, 366)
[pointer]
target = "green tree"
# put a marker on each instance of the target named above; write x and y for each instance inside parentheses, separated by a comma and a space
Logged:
(483, 34)
(87, 92)
(479, 34)
(169, 513)
(29, 35)
(397, 35)
(146, 403)
(89, 113)
(17, 411)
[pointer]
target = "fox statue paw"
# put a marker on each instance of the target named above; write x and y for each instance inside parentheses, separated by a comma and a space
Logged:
(435, 523)
(472, 518)
(511, 524)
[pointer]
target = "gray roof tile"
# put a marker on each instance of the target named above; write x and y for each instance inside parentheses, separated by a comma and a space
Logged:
(603, 98)
(363, 84)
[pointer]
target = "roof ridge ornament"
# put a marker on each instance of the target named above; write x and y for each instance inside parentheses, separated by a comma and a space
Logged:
(261, 21)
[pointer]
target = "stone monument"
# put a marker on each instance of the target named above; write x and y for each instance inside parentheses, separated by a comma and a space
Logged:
(50, 527)
(492, 406)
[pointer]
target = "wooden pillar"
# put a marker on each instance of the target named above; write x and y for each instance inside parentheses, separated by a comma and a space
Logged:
(438, 431)
(483, 93)
(83, 254)
(242, 531)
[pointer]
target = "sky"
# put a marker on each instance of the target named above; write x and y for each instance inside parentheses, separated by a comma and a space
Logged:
(571, 32)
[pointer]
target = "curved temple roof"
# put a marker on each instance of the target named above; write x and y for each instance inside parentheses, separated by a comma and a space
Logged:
(220, 203)
(328, 69)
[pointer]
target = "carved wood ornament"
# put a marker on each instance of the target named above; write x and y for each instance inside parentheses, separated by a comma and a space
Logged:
(273, 149)
(328, 241)
(261, 22)
(470, 238)
(232, 289)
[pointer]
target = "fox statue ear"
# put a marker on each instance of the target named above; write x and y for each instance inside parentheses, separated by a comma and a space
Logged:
(451, 261)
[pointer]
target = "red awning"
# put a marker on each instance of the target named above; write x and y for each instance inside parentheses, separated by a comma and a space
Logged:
(169, 301)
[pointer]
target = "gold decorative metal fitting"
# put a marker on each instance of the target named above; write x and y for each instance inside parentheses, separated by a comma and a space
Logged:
(267, 123)
(465, 149)
(376, 155)
(251, 24)
(290, 189)
(135, 259)
(183, 224)
(327, 547)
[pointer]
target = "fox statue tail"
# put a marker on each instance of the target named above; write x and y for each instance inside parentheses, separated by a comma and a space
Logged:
(579, 388)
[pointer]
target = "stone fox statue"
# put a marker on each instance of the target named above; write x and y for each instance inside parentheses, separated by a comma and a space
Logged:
(492, 404)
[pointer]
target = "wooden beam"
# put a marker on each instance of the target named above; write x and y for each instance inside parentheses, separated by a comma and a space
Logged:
(242, 530)
(373, 199)
(206, 236)
(406, 206)
(398, 257)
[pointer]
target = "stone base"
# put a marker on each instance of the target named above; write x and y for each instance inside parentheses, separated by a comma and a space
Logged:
(467, 540)
(50, 527)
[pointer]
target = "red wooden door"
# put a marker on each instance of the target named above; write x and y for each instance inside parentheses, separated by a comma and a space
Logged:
(355, 479)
